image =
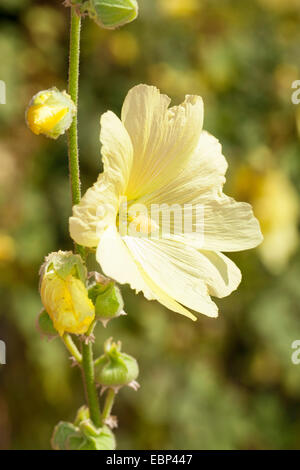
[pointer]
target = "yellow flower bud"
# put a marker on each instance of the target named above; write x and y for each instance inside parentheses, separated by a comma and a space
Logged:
(50, 112)
(64, 294)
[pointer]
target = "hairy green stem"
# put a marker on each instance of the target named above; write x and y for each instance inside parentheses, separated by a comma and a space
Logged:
(72, 348)
(87, 351)
(73, 92)
(89, 380)
(109, 402)
(73, 132)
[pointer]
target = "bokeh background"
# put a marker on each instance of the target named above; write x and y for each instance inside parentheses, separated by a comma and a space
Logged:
(217, 384)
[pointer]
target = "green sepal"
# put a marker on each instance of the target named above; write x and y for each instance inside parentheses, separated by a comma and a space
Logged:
(105, 441)
(61, 435)
(45, 325)
(82, 415)
(65, 263)
(67, 436)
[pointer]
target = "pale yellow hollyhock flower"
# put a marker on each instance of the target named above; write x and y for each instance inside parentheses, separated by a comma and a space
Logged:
(161, 155)
(7, 248)
(64, 294)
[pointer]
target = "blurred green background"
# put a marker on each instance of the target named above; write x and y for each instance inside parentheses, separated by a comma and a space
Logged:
(217, 384)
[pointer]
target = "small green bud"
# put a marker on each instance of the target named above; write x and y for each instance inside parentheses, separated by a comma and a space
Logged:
(111, 13)
(50, 112)
(45, 325)
(107, 298)
(114, 368)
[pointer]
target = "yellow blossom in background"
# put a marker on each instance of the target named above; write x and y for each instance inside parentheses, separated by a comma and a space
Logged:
(7, 248)
(8, 168)
(280, 5)
(276, 204)
(297, 111)
(175, 80)
(124, 47)
(285, 74)
(156, 155)
(45, 24)
(64, 294)
(179, 8)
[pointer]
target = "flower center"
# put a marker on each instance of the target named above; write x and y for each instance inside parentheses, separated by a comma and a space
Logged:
(142, 224)
(135, 221)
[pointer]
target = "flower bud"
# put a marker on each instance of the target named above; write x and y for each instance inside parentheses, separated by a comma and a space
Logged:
(114, 368)
(50, 112)
(111, 13)
(107, 298)
(64, 294)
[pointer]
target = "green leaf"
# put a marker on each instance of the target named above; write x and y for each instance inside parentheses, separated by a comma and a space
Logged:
(45, 325)
(61, 435)
(105, 440)
(66, 436)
